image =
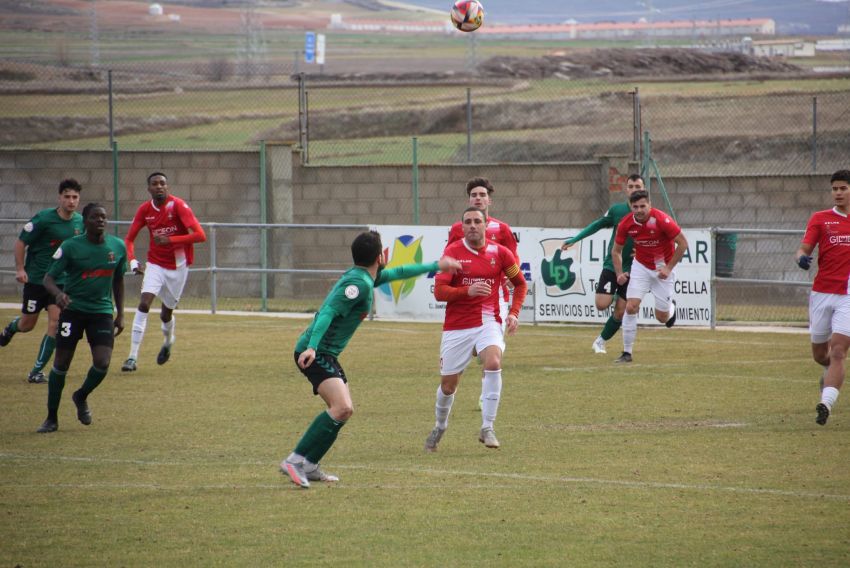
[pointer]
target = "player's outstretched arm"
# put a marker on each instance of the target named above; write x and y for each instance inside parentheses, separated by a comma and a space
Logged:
(601, 223)
(405, 271)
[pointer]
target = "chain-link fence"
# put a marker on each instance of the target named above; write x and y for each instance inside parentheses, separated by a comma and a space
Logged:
(757, 278)
(770, 127)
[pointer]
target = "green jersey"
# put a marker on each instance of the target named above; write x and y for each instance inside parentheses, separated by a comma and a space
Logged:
(611, 218)
(43, 234)
(91, 268)
(347, 304)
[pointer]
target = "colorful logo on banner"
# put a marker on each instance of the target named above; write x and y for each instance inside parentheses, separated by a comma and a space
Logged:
(406, 250)
(559, 269)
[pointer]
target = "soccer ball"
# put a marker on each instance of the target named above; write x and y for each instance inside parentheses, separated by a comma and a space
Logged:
(467, 15)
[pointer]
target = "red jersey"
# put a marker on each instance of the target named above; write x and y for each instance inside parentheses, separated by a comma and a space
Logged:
(653, 239)
(492, 263)
(497, 232)
(830, 231)
(171, 220)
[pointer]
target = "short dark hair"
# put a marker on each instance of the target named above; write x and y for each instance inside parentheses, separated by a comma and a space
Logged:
(479, 182)
(71, 184)
(366, 248)
(638, 195)
(468, 209)
(634, 177)
(841, 175)
(153, 175)
(87, 209)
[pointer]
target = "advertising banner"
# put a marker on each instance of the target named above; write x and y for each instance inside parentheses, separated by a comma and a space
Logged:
(562, 284)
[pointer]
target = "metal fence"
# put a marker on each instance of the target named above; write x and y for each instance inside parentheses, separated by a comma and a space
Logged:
(755, 279)
(770, 127)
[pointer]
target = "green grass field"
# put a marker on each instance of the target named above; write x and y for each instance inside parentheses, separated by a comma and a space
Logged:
(704, 452)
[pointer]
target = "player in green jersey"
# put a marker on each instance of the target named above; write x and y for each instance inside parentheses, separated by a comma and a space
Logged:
(95, 264)
(316, 351)
(37, 242)
(607, 287)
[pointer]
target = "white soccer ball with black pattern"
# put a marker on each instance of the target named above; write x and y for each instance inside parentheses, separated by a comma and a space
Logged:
(467, 15)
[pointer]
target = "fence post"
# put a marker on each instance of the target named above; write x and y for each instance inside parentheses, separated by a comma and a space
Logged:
(713, 279)
(111, 124)
(415, 182)
(306, 126)
(264, 234)
(213, 288)
(302, 117)
(636, 125)
(814, 134)
(115, 174)
(468, 125)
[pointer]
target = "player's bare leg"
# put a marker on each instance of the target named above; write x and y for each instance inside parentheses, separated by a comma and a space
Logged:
(168, 323)
(820, 353)
(834, 379)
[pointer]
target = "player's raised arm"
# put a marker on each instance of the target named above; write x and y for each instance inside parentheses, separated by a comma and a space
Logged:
(595, 226)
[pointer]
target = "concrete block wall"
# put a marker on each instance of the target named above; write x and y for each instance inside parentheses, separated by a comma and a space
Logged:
(220, 187)
(224, 187)
(771, 202)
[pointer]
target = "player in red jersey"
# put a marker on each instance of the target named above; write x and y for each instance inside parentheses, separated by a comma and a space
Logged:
(659, 245)
(480, 191)
(473, 322)
(829, 302)
(173, 230)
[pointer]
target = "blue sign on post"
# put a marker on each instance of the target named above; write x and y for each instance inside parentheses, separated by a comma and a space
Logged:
(310, 47)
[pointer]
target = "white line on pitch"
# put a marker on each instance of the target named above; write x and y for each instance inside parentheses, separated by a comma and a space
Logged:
(415, 470)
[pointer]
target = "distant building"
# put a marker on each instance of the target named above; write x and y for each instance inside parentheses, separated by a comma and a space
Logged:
(783, 48)
(571, 29)
(697, 29)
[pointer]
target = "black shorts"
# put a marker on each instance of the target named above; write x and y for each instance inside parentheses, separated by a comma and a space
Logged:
(322, 368)
(98, 328)
(36, 298)
(608, 284)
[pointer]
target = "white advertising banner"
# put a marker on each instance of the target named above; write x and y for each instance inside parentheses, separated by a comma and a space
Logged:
(562, 285)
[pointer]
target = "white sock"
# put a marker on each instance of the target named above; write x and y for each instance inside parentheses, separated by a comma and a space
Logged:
(828, 396)
(140, 322)
(443, 408)
(310, 466)
(629, 332)
(295, 458)
(492, 393)
(168, 330)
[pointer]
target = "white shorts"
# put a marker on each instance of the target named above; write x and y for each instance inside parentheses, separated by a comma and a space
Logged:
(457, 345)
(643, 280)
(165, 283)
(828, 314)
